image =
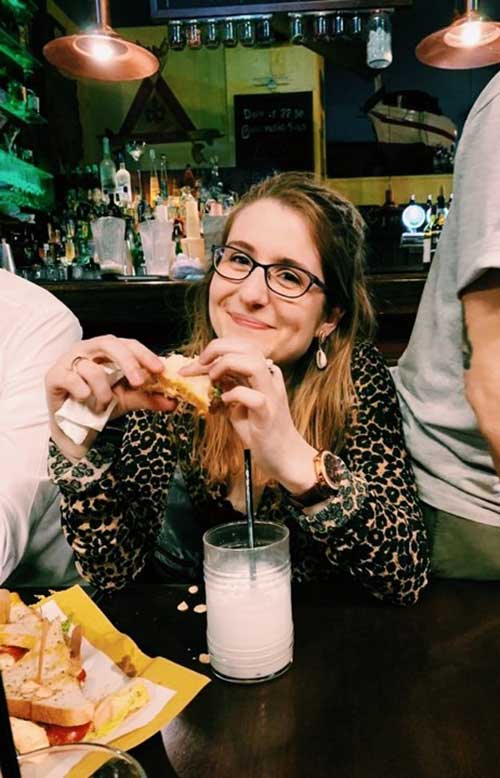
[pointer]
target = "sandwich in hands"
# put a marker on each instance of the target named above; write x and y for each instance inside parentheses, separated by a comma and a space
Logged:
(45, 690)
(196, 390)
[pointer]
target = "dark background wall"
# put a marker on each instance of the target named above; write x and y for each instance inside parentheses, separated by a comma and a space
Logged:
(345, 92)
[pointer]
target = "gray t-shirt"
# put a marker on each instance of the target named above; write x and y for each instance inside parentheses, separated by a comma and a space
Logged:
(452, 463)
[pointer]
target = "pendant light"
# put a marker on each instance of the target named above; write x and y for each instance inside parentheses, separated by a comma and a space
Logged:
(472, 41)
(100, 53)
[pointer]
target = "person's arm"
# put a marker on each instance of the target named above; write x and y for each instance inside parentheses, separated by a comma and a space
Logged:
(114, 498)
(373, 526)
(481, 356)
(25, 491)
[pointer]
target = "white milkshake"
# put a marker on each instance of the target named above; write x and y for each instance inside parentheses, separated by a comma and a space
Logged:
(249, 613)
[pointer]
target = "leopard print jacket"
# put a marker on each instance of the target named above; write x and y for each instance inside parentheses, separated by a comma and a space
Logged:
(114, 499)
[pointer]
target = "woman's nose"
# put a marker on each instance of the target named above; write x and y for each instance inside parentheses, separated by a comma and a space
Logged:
(254, 290)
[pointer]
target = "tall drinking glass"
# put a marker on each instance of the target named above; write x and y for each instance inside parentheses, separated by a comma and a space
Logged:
(249, 610)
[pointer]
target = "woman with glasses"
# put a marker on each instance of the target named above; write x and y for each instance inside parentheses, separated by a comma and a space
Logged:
(282, 324)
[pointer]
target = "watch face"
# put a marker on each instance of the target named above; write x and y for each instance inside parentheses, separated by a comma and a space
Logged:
(329, 462)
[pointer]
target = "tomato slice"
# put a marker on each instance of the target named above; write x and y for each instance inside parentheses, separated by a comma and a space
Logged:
(14, 651)
(59, 736)
(82, 675)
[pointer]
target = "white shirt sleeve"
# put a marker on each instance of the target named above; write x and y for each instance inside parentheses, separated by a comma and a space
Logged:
(29, 346)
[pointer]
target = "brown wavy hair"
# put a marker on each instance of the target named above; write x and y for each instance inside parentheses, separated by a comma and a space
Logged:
(321, 401)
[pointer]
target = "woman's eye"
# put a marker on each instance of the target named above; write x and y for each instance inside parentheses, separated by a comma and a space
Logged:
(289, 277)
(240, 259)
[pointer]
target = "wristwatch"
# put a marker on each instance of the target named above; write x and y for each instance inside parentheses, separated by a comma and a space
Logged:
(325, 465)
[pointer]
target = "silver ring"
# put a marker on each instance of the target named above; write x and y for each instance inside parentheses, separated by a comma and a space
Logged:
(270, 366)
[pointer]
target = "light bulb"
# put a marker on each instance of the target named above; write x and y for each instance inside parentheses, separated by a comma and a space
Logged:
(102, 51)
(470, 33)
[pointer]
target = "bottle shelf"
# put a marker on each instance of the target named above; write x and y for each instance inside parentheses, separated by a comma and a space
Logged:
(22, 175)
(19, 115)
(21, 10)
(13, 51)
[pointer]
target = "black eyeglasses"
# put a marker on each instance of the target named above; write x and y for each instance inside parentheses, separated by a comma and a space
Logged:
(286, 280)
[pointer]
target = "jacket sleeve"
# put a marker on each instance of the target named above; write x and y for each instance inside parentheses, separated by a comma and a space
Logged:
(114, 499)
(373, 526)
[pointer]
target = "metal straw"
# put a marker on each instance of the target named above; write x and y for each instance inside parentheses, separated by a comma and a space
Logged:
(9, 766)
(249, 508)
(249, 498)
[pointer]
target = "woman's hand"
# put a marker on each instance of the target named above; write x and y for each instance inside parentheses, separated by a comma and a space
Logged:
(254, 391)
(85, 381)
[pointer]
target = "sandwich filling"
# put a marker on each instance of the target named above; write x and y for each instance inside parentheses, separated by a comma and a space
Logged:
(197, 390)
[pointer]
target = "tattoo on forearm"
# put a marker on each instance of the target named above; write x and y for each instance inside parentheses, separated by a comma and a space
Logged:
(466, 347)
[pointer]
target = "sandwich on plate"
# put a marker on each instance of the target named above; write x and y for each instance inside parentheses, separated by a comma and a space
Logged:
(20, 628)
(196, 390)
(45, 690)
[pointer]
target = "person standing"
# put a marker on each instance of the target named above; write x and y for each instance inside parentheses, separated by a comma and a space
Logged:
(35, 328)
(448, 378)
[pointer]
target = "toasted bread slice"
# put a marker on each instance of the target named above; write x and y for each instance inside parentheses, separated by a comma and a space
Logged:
(23, 625)
(56, 696)
(195, 390)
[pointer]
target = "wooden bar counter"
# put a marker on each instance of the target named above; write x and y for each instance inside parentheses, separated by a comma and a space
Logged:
(155, 311)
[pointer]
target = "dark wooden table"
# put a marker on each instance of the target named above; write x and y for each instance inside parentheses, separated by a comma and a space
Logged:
(375, 691)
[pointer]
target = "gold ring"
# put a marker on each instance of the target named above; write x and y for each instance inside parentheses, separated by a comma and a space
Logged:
(75, 362)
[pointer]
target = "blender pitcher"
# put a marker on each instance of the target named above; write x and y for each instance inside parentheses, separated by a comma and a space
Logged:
(109, 237)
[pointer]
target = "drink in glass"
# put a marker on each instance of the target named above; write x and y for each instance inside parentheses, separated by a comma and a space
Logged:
(249, 612)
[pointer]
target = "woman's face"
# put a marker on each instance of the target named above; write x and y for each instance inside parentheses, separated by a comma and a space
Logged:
(281, 328)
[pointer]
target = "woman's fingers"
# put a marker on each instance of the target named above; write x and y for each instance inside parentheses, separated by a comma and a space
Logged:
(97, 382)
(80, 373)
(75, 386)
(135, 400)
(221, 346)
(252, 400)
(130, 355)
(252, 370)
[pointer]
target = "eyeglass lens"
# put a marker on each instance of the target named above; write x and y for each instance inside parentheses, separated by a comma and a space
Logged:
(282, 279)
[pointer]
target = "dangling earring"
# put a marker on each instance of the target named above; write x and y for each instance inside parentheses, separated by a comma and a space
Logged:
(321, 358)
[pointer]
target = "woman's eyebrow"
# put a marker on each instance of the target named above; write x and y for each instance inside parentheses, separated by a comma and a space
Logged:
(278, 261)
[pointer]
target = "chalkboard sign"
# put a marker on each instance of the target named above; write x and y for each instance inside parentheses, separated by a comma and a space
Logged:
(274, 131)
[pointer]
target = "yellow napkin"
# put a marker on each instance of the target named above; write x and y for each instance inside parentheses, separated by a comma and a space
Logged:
(101, 633)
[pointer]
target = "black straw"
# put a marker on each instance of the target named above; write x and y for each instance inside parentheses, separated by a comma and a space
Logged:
(249, 498)
(9, 765)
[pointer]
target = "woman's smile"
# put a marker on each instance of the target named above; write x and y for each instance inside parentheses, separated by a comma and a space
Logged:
(247, 322)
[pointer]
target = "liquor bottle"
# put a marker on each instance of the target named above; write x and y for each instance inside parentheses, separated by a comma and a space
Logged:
(123, 185)
(154, 184)
(163, 177)
(114, 208)
(389, 216)
(134, 244)
(428, 209)
(441, 210)
(107, 170)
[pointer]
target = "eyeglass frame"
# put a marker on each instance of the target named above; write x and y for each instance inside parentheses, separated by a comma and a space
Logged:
(313, 280)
